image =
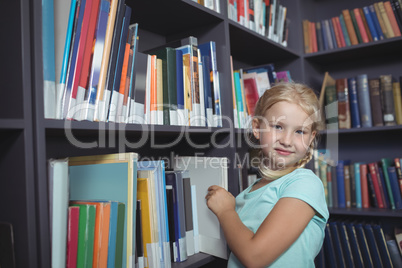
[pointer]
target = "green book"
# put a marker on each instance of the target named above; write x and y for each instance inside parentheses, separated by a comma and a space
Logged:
(356, 27)
(331, 106)
(118, 263)
(86, 234)
(385, 163)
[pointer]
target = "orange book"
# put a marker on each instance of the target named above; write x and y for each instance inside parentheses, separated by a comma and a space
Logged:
(360, 24)
(392, 19)
(101, 237)
(187, 85)
(386, 20)
(123, 76)
(306, 35)
(349, 27)
(364, 186)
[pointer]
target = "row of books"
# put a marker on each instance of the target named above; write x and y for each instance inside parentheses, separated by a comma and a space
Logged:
(211, 4)
(266, 17)
(114, 210)
(377, 184)
(354, 243)
(248, 85)
(360, 101)
(359, 25)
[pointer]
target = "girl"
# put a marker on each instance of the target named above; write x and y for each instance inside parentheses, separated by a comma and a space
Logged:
(278, 221)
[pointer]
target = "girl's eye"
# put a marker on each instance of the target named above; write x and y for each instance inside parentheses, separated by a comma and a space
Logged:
(277, 127)
(299, 132)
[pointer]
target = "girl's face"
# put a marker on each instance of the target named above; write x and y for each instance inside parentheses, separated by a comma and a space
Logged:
(285, 134)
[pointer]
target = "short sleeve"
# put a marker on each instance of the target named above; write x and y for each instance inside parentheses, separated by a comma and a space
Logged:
(306, 186)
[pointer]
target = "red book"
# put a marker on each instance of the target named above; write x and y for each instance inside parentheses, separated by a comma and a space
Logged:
(251, 92)
(377, 189)
(313, 37)
(72, 236)
(360, 24)
(364, 186)
(336, 31)
(341, 36)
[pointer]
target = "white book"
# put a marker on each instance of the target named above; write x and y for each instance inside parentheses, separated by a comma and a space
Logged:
(204, 172)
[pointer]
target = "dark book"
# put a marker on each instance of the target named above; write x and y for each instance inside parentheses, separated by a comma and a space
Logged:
(396, 8)
(188, 210)
(382, 245)
(385, 194)
(387, 100)
(170, 215)
(356, 27)
(354, 245)
(395, 187)
(336, 242)
(363, 95)
(363, 245)
(372, 243)
(394, 252)
(385, 163)
(121, 214)
(352, 185)
(7, 252)
(324, 35)
(372, 194)
(139, 247)
(329, 251)
(397, 162)
(340, 181)
(342, 91)
(320, 41)
(375, 99)
(345, 244)
(334, 187)
(347, 182)
(140, 72)
(353, 102)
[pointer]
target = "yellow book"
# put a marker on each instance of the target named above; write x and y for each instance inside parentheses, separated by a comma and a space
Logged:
(386, 20)
(397, 102)
(143, 196)
(380, 20)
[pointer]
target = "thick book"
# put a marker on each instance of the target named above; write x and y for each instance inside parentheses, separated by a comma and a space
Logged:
(354, 244)
(387, 100)
(203, 175)
(381, 20)
(58, 209)
(140, 72)
(372, 244)
(336, 241)
(349, 27)
(328, 97)
(376, 184)
(382, 245)
(363, 245)
(385, 163)
(108, 177)
(375, 101)
(330, 257)
(370, 23)
(364, 185)
(396, 193)
(396, 87)
(376, 22)
(345, 243)
(340, 180)
(394, 253)
(344, 30)
(364, 100)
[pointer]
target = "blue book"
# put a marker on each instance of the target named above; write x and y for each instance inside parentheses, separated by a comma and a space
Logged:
(340, 183)
(324, 36)
(72, 60)
(354, 245)
(363, 245)
(267, 68)
(353, 102)
(376, 22)
(363, 96)
(344, 30)
(49, 68)
(372, 244)
(328, 34)
(100, 32)
(396, 193)
(382, 245)
(385, 192)
(332, 30)
(330, 257)
(180, 88)
(320, 44)
(370, 23)
(333, 227)
(358, 185)
(208, 98)
(209, 49)
(119, 64)
(346, 247)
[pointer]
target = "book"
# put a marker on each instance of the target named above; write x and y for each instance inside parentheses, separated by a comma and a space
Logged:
(370, 23)
(342, 91)
(354, 244)
(63, 33)
(330, 257)
(382, 245)
(49, 71)
(139, 247)
(336, 241)
(385, 17)
(203, 175)
(72, 236)
(356, 26)
(381, 20)
(360, 25)
(340, 180)
(344, 30)
(385, 164)
(396, 88)
(387, 100)
(358, 187)
(372, 244)
(58, 208)
(209, 49)
(188, 213)
(396, 193)
(345, 244)
(397, 163)
(90, 179)
(114, 225)
(364, 185)
(86, 233)
(394, 253)
(376, 184)
(347, 181)
(88, 109)
(328, 97)
(376, 22)
(129, 103)
(392, 18)
(140, 71)
(106, 55)
(363, 244)
(363, 96)
(349, 27)
(353, 101)
(375, 101)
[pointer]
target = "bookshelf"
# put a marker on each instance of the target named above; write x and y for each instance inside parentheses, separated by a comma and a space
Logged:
(28, 140)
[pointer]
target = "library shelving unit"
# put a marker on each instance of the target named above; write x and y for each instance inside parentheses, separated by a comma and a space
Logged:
(29, 140)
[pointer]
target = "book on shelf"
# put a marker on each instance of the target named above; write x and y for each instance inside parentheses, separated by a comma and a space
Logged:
(363, 98)
(72, 237)
(387, 100)
(354, 104)
(328, 101)
(375, 102)
(396, 88)
(342, 92)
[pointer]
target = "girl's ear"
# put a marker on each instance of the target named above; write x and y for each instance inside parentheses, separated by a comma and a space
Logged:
(256, 128)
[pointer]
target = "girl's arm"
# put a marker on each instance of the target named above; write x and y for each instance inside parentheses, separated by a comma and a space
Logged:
(278, 231)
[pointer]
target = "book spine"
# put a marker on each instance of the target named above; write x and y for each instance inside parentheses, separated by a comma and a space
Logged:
(343, 103)
(396, 87)
(354, 105)
(370, 23)
(387, 100)
(364, 186)
(376, 186)
(360, 25)
(340, 184)
(364, 100)
(356, 26)
(344, 30)
(392, 19)
(376, 22)
(349, 27)
(387, 22)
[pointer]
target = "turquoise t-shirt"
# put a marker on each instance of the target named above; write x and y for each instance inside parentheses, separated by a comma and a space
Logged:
(253, 207)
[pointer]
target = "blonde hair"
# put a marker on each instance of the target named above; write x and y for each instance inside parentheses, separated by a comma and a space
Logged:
(301, 95)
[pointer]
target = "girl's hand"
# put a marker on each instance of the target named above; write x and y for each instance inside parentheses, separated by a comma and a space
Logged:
(219, 200)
